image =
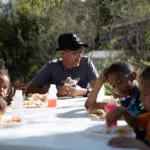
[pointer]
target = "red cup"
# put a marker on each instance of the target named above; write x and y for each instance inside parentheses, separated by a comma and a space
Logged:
(51, 102)
(108, 108)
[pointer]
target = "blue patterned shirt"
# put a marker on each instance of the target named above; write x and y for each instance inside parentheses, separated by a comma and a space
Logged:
(133, 104)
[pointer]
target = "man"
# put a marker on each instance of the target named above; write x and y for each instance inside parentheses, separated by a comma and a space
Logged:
(71, 66)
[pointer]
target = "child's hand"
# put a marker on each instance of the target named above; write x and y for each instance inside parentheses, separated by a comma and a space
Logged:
(88, 104)
(114, 115)
(127, 142)
(3, 105)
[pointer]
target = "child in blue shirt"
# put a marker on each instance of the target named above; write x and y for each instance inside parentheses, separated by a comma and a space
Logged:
(122, 77)
(142, 120)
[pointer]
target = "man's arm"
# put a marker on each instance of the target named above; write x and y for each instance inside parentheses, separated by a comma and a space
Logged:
(33, 88)
(38, 83)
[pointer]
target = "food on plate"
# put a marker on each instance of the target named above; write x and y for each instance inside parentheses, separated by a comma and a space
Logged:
(6, 122)
(33, 103)
(36, 100)
(96, 112)
(42, 97)
(123, 131)
(11, 121)
(37, 96)
(16, 119)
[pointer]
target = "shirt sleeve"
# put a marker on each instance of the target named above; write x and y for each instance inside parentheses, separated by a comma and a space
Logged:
(43, 77)
(92, 71)
(143, 120)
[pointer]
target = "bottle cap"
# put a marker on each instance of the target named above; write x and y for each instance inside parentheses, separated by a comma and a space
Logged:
(52, 92)
(18, 98)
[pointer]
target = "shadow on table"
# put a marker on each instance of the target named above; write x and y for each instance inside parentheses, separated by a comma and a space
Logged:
(67, 140)
(78, 113)
(56, 141)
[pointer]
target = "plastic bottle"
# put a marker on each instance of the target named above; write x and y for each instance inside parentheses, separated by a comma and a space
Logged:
(110, 106)
(17, 107)
(52, 96)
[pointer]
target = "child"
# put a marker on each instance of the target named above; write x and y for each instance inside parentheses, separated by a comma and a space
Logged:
(4, 86)
(142, 121)
(123, 80)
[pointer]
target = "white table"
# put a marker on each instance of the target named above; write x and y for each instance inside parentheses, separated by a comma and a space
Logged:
(58, 128)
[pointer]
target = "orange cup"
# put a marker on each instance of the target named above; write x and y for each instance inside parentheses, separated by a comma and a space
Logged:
(51, 102)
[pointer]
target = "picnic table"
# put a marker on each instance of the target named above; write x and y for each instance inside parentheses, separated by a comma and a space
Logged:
(62, 128)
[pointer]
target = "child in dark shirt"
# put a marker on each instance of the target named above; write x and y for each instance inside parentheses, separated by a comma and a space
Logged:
(122, 77)
(142, 121)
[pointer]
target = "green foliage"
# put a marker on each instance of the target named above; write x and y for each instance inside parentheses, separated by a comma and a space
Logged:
(108, 89)
(30, 28)
(146, 39)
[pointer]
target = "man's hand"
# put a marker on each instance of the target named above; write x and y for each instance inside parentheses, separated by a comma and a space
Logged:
(77, 91)
(127, 142)
(114, 115)
(63, 90)
(72, 91)
(3, 105)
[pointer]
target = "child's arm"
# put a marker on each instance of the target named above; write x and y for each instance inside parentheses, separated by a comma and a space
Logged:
(99, 105)
(127, 142)
(130, 119)
(116, 114)
(95, 90)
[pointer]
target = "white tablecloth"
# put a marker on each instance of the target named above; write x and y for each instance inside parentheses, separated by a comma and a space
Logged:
(60, 128)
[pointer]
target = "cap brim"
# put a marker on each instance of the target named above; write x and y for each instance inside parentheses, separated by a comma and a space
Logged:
(83, 44)
(79, 45)
(58, 49)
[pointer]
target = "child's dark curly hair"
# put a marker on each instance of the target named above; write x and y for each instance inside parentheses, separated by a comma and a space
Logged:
(145, 75)
(119, 67)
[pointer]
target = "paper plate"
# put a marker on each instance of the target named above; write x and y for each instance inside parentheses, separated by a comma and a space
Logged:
(12, 124)
(30, 106)
(104, 132)
(71, 98)
(64, 98)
